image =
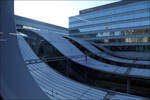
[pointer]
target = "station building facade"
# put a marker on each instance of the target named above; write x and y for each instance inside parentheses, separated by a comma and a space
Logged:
(124, 24)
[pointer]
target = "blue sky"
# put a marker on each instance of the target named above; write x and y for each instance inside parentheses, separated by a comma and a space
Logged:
(54, 12)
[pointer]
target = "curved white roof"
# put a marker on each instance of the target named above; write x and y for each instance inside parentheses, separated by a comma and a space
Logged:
(58, 87)
(68, 49)
(102, 54)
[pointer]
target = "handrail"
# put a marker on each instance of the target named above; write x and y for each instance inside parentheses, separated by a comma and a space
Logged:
(52, 59)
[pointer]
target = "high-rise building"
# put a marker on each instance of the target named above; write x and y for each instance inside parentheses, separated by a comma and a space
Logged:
(124, 24)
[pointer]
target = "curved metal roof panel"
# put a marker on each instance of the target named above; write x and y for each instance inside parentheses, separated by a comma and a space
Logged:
(100, 53)
(57, 86)
(68, 49)
(49, 80)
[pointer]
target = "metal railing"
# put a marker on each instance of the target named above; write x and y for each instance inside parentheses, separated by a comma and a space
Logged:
(52, 59)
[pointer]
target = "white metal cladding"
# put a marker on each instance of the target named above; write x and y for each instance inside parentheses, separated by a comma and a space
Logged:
(115, 10)
(68, 49)
(111, 19)
(58, 87)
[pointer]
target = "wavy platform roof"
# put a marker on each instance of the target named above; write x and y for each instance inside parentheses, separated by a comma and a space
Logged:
(93, 49)
(58, 87)
(68, 49)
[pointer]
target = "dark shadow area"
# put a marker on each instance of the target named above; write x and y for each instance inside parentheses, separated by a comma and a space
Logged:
(1, 98)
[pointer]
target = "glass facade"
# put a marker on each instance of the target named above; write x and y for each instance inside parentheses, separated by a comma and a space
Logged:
(145, 39)
(116, 33)
(112, 19)
(130, 48)
(125, 40)
(128, 23)
(111, 11)
(135, 14)
(130, 32)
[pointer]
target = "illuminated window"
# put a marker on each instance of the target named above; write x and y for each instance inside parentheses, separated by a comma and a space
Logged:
(106, 41)
(145, 39)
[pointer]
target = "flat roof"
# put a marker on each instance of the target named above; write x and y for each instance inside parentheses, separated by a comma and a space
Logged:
(111, 5)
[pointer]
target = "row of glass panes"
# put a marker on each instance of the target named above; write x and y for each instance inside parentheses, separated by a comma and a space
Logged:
(129, 40)
(116, 10)
(126, 32)
(122, 25)
(110, 20)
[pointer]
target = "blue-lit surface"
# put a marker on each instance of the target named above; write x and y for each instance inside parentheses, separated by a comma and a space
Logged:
(49, 80)
(100, 53)
(57, 87)
(126, 8)
(68, 49)
(111, 19)
(122, 25)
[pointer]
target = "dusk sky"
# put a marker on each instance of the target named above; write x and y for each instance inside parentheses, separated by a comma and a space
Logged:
(54, 12)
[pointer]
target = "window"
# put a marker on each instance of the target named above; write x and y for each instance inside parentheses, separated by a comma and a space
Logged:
(145, 39)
